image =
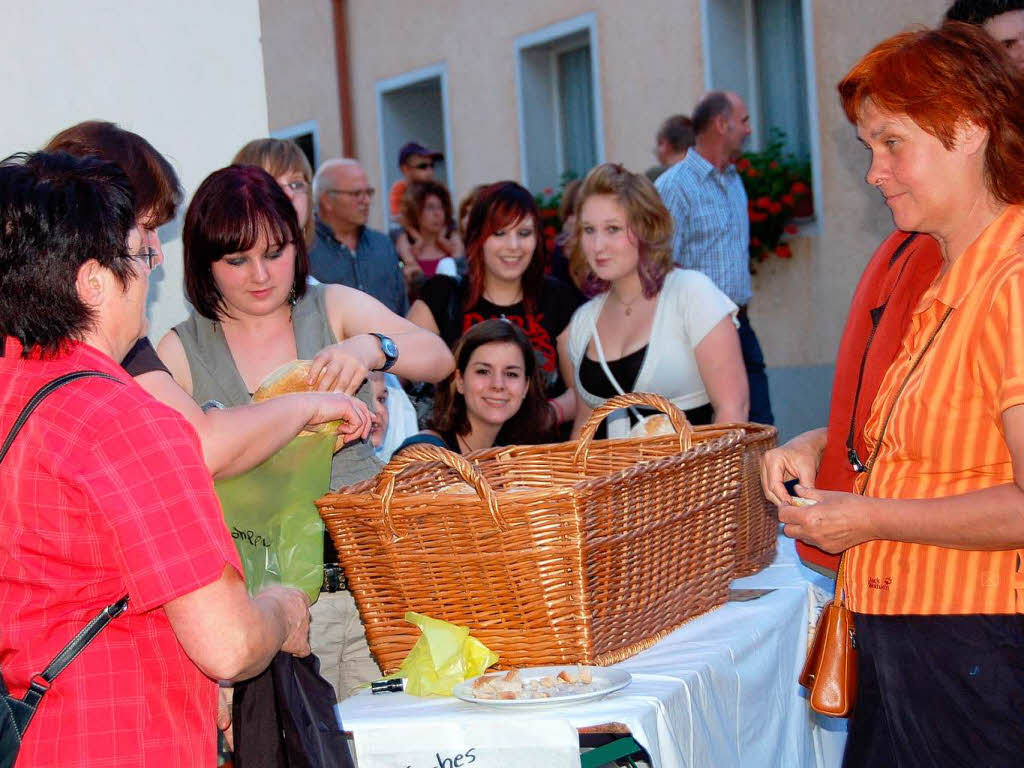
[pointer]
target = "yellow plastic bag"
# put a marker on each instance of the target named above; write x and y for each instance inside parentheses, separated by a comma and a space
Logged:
(444, 655)
(271, 514)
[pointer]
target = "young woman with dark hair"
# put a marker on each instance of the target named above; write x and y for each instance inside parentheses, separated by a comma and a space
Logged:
(245, 274)
(506, 279)
(235, 439)
(494, 396)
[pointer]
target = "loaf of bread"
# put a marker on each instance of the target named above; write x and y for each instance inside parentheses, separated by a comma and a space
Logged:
(289, 379)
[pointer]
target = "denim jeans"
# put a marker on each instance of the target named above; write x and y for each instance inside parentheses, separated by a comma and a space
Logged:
(753, 358)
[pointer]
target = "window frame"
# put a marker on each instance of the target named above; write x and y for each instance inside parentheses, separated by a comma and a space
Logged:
(550, 36)
(388, 85)
(807, 19)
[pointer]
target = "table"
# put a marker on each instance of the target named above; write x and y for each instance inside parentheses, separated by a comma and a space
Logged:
(720, 691)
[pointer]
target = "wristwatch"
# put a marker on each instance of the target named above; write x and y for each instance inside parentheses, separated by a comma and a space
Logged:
(390, 350)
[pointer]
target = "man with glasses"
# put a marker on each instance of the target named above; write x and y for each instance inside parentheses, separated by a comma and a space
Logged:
(344, 249)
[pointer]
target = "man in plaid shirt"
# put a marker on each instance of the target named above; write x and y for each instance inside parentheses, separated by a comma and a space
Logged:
(705, 195)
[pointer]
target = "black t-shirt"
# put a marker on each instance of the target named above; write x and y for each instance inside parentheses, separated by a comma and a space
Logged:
(626, 370)
(142, 358)
(446, 297)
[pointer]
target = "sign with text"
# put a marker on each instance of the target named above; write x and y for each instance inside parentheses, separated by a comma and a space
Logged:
(499, 743)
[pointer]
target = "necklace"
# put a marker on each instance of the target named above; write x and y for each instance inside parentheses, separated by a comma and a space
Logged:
(515, 299)
(628, 306)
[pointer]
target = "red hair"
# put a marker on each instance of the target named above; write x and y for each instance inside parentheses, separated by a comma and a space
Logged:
(497, 206)
(940, 77)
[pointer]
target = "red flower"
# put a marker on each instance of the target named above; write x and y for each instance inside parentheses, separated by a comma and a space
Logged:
(783, 252)
(773, 165)
(550, 231)
(791, 229)
(775, 208)
(752, 172)
(742, 164)
(788, 200)
(799, 188)
(755, 242)
(765, 203)
(755, 216)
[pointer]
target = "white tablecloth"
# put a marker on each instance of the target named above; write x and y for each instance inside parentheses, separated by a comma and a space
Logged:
(720, 691)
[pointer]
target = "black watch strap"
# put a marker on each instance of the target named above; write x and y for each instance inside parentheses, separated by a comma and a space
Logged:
(389, 358)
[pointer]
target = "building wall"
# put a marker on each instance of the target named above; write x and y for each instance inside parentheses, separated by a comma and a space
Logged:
(800, 304)
(476, 40)
(301, 69)
(191, 84)
(650, 54)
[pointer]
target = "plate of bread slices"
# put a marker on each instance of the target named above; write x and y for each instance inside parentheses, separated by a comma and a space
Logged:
(541, 687)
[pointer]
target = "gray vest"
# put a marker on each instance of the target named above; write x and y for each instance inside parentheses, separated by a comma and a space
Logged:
(215, 377)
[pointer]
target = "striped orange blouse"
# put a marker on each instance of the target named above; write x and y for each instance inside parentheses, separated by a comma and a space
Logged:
(945, 434)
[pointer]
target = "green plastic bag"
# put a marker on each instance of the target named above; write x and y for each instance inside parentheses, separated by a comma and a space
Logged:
(272, 517)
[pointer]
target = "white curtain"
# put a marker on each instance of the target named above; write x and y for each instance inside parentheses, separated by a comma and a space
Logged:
(782, 77)
(576, 97)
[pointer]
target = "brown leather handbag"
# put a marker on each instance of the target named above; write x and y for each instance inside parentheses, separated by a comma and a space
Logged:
(830, 671)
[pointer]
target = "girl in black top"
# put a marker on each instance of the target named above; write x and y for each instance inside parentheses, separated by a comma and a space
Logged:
(506, 279)
(493, 397)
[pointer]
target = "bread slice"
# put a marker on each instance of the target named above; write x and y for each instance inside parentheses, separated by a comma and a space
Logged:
(289, 379)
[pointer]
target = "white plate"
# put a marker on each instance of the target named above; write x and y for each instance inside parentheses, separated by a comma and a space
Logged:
(606, 680)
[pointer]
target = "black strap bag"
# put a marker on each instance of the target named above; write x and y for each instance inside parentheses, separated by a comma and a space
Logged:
(15, 713)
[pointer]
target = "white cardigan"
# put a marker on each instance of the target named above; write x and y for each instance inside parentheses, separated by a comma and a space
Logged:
(689, 306)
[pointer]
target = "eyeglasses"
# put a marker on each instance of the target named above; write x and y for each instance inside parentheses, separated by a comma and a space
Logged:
(369, 192)
(147, 256)
(296, 186)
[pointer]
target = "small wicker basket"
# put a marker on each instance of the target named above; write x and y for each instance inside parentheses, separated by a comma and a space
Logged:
(551, 554)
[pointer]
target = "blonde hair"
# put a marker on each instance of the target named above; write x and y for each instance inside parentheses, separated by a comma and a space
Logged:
(646, 217)
(278, 157)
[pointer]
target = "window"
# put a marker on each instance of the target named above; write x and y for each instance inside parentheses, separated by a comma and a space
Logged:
(759, 49)
(307, 136)
(413, 107)
(560, 128)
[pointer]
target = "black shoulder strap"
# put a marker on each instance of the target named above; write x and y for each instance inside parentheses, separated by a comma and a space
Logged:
(22, 710)
(45, 391)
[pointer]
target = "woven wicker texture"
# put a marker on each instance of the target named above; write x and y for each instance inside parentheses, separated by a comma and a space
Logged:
(551, 554)
(758, 520)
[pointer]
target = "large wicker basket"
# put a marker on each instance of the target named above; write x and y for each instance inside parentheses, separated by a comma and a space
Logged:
(757, 518)
(554, 555)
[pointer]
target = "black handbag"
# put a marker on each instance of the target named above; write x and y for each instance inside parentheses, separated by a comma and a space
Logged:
(15, 713)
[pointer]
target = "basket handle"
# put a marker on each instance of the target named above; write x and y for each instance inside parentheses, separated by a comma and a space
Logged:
(675, 416)
(417, 454)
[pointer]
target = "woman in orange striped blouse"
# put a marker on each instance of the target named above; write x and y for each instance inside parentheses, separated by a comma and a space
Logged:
(934, 534)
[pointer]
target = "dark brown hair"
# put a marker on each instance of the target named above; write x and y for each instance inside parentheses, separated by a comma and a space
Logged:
(941, 77)
(232, 209)
(532, 423)
(157, 189)
(415, 198)
(56, 213)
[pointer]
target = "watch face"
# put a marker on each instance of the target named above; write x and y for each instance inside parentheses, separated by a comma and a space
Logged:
(389, 347)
